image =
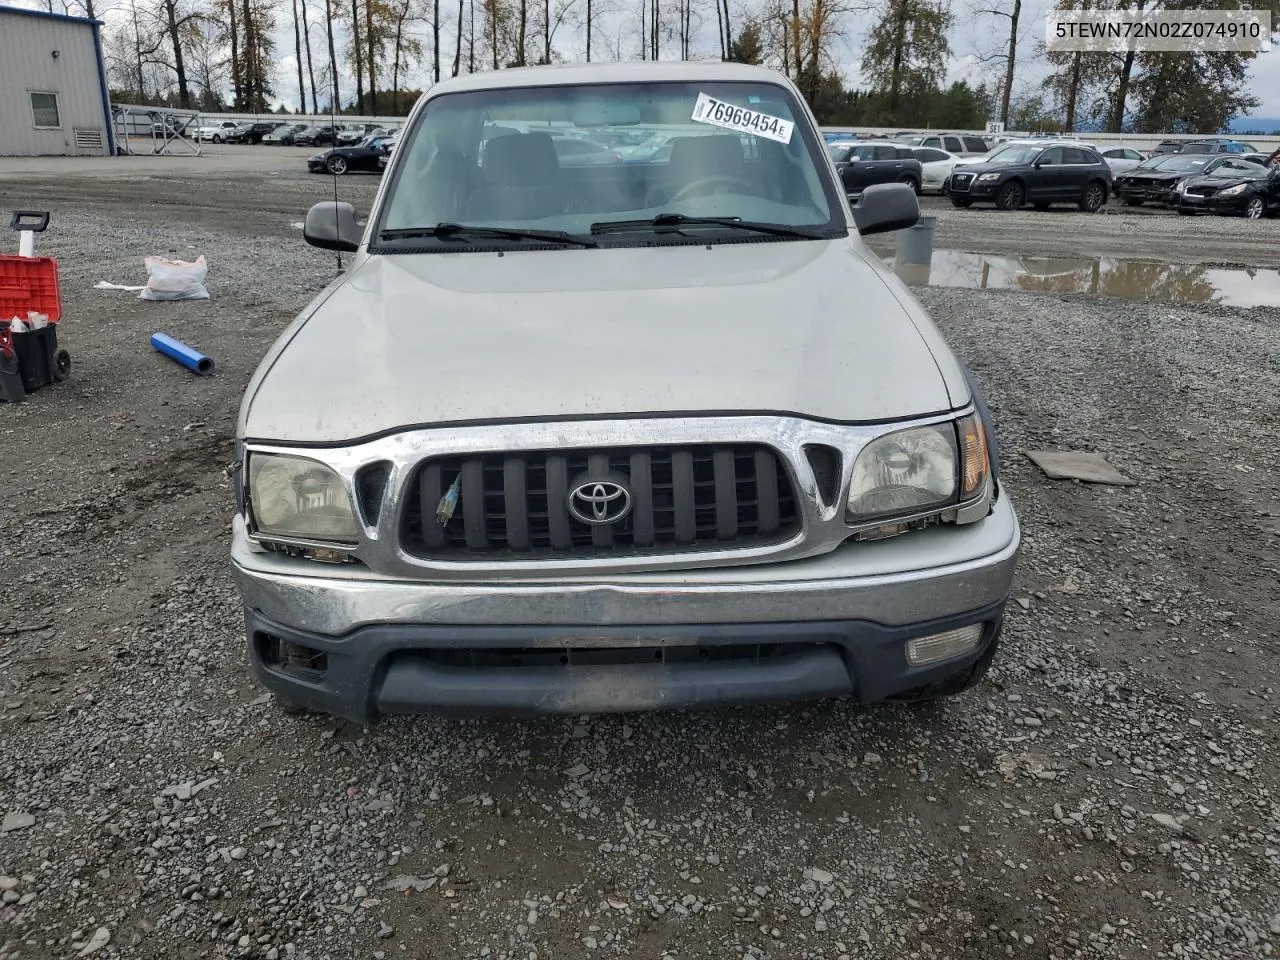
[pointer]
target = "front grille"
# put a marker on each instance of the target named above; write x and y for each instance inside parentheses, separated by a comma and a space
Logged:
(960, 182)
(514, 506)
(1201, 191)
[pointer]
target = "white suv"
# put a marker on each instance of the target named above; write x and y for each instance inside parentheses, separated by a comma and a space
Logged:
(217, 131)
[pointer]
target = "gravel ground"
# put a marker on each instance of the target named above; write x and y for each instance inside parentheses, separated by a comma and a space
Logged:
(1109, 791)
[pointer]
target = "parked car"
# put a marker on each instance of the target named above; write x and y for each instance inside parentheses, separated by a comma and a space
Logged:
(967, 145)
(1022, 142)
(351, 135)
(339, 160)
(320, 135)
(865, 163)
(388, 148)
(1120, 159)
(576, 150)
(1167, 146)
(1233, 187)
(283, 135)
(1039, 174)
(252, 132)
(1218, 145)
(935, 166)
(446, 500)
(1155, 180)
(215, 132)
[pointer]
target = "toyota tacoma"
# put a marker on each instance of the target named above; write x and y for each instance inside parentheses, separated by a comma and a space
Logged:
(615, 436)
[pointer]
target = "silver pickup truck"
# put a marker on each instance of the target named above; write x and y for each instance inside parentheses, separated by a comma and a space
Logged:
(641, 430)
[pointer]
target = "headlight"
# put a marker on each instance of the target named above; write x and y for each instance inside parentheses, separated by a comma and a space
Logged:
(989, 176)
(1181, 187)
(919, 470)
(1239, 188)
(295, 497)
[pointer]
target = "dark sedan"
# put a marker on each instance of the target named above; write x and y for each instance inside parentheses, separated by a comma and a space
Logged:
(252, 132)
(321, 135)
(862, 164)
(1039, 174)
(1235, 188)
(283, 136)
(363, 156)
(1155, 180)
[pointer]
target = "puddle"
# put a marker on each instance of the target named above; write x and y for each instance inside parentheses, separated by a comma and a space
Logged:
(1151, 280)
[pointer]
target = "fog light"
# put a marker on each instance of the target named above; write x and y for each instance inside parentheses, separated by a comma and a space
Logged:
(943, 646)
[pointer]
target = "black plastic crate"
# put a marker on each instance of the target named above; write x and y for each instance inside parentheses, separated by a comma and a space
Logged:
(37, 352)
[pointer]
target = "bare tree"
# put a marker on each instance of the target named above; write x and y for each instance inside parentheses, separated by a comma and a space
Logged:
(1013, 14)
(522, 31)
(237, 68)
(356, 60)
(685, 27)
(306, 39)
(335, 97)
(297, 48)
(435, 41)
(457, 50)
(406, 47)
(371, 42)
(207, 67)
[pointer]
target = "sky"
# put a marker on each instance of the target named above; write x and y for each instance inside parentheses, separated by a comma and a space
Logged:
(973, 38)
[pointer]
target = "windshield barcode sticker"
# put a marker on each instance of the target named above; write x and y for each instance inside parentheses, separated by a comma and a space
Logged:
(721, 114)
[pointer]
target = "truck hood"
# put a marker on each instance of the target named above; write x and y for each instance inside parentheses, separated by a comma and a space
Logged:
(820, 329)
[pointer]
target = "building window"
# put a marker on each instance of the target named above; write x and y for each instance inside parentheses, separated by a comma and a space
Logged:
(44, 111)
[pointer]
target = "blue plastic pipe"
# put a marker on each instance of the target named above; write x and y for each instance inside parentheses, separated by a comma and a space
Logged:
(189, 357)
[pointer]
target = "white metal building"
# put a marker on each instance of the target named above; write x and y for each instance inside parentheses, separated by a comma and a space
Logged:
(53, 86)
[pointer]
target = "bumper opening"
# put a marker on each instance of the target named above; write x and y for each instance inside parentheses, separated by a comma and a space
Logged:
(290, 657)
(481, 658)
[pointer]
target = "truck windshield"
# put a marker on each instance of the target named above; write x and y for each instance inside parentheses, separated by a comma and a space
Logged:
(565, 159)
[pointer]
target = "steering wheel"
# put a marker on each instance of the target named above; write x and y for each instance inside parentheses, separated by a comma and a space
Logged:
(717, 179)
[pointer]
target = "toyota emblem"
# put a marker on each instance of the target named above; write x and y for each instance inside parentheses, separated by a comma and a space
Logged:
(598, 502)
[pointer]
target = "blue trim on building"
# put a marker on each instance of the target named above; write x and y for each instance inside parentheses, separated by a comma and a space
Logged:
(102, 87)
(47, 16)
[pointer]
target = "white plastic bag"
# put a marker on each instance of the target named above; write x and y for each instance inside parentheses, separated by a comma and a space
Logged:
(175, 279)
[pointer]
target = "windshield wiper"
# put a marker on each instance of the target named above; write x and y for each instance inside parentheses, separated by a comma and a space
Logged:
(680, 220)
(450, 231)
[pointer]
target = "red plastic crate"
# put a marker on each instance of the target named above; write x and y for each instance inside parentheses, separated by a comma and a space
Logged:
(29, 283)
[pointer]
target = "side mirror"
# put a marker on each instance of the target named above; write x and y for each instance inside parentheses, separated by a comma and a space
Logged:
(885, 207)
(331, 225)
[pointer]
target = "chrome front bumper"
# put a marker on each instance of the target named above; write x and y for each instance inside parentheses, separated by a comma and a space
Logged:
(833, 625)
(922, 575)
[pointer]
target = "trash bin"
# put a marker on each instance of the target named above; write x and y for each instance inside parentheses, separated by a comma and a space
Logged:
(915, 251)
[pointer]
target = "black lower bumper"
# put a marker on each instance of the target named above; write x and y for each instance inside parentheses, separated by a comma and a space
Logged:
(1224, 206)
(420, 668)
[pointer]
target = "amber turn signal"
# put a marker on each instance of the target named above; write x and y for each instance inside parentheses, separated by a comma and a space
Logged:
(976, 464)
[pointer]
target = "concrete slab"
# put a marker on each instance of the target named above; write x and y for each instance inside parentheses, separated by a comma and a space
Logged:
(1078, 465)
